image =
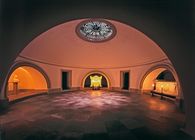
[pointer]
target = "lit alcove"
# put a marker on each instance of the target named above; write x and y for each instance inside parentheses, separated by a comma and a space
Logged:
(161, 81)
(25, 81)
(95, 80)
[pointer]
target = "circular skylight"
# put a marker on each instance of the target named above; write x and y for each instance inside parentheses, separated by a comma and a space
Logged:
(96, 30)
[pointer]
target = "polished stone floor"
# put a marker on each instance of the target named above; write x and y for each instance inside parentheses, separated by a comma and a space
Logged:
(24, 93)
(92, 115)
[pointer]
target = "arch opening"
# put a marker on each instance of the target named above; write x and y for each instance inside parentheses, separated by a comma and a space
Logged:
(25, 81)
(96, 80)
(160, 80)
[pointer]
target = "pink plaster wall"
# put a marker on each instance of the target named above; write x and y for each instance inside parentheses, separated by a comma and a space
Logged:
(61, 45)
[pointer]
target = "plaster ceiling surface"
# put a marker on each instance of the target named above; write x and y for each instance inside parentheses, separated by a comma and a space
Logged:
(61, 45)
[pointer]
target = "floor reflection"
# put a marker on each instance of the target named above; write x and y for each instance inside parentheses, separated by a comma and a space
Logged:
(95, 93)
(156, 105)
(93, 98)
(77, 114)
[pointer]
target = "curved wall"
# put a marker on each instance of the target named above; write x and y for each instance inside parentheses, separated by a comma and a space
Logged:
(151, 83)
(78, 74)
(61, 46)
(170, 25)
(149, 79)
(27, 78)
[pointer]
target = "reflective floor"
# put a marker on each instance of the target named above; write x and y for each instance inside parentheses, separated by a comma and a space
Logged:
(93, 115)
(24, 93)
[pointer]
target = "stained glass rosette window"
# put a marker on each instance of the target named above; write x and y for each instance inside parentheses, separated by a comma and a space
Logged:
(96, 30)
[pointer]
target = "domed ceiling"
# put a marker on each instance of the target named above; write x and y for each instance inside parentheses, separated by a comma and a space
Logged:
(62, 46)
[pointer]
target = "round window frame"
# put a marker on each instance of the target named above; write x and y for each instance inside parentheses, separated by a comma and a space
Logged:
(80, 35)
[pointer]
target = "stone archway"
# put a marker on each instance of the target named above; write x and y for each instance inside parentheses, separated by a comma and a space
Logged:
(105, 78)
(157, 69)
(29, 76)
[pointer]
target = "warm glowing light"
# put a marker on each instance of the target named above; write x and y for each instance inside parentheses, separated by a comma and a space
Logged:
(150, 79)
(155, 105)
(96, 73)
(166, 87)
(96, 81)
(25, 81)
(96, 93)
(27, 78)
(15, 79)
(160, 86)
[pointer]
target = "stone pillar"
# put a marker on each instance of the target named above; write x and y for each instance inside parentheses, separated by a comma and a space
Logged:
(15, 87)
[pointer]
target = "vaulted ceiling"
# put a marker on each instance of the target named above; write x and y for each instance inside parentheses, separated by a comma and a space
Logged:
(62, 46)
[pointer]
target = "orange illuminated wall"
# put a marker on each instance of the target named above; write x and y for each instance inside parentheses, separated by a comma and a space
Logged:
(27, 78)
(166, 87)
(150, 79)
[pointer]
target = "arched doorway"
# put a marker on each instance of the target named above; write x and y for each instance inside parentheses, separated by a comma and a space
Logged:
(26, 80)
(161, 80)
(88, 80)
